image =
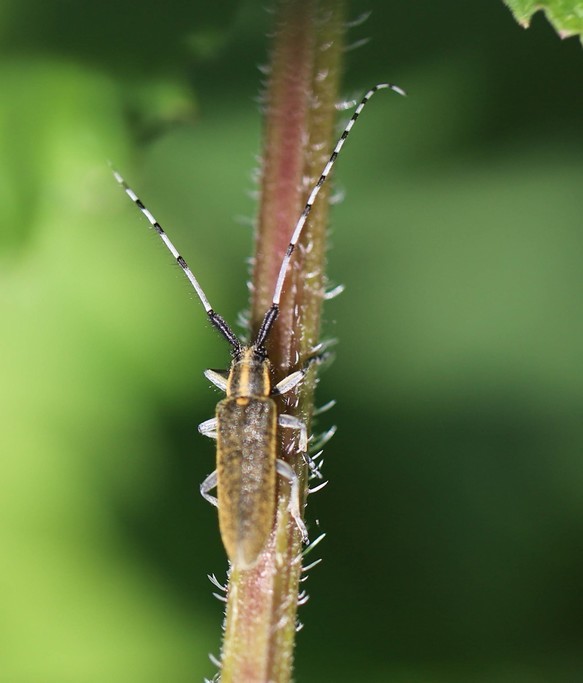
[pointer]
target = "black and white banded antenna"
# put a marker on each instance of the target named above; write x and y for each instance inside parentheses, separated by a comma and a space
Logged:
(273, 311)
(216, 320)
(271, 315)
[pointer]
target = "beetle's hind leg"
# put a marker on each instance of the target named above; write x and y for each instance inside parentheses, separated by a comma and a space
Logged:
(208, 485)
(285, 470)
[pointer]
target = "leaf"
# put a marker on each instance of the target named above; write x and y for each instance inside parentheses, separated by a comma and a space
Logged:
(565, 15)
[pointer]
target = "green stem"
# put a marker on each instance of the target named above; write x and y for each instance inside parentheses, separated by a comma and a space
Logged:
(300, 114)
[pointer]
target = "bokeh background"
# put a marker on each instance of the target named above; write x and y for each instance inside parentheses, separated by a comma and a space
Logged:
(454, 511)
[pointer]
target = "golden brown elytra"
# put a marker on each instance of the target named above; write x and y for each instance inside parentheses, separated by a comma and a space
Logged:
(246, 421)
(246, 428)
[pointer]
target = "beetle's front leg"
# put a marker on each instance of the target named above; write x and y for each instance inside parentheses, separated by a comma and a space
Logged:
(288, 383)
(207, 485)
(218, 377)
(291, 381)
(286, 471)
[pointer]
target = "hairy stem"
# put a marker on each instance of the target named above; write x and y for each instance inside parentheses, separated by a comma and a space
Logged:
(300, 113)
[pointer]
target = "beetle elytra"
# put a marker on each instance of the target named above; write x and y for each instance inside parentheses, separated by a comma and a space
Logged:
(246, 421)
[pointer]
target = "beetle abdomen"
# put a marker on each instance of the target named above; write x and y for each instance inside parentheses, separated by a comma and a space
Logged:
(246, 441)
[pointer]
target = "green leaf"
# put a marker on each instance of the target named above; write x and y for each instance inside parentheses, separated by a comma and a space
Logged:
(565, 15)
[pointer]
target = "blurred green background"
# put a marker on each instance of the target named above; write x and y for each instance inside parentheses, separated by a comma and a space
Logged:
(455, 510)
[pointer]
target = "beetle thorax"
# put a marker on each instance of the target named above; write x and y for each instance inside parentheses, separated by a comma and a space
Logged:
(249, 375)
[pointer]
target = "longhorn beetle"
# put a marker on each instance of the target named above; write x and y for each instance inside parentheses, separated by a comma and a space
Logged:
(246, 421)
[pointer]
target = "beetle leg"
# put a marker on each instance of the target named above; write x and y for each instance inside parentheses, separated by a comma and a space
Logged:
(209, 428)
(218, 378)
(286, 471)
(292, 422)
(314, 469)
(207, 485)
(291, 381)
(288, 383)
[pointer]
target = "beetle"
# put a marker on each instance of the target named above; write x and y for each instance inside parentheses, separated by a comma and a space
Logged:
(246, 421)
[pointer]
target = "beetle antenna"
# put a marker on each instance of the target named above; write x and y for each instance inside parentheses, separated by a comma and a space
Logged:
(215, 319)
(273, 310)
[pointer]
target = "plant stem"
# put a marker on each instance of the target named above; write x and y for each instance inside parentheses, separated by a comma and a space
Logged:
(260, 621)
